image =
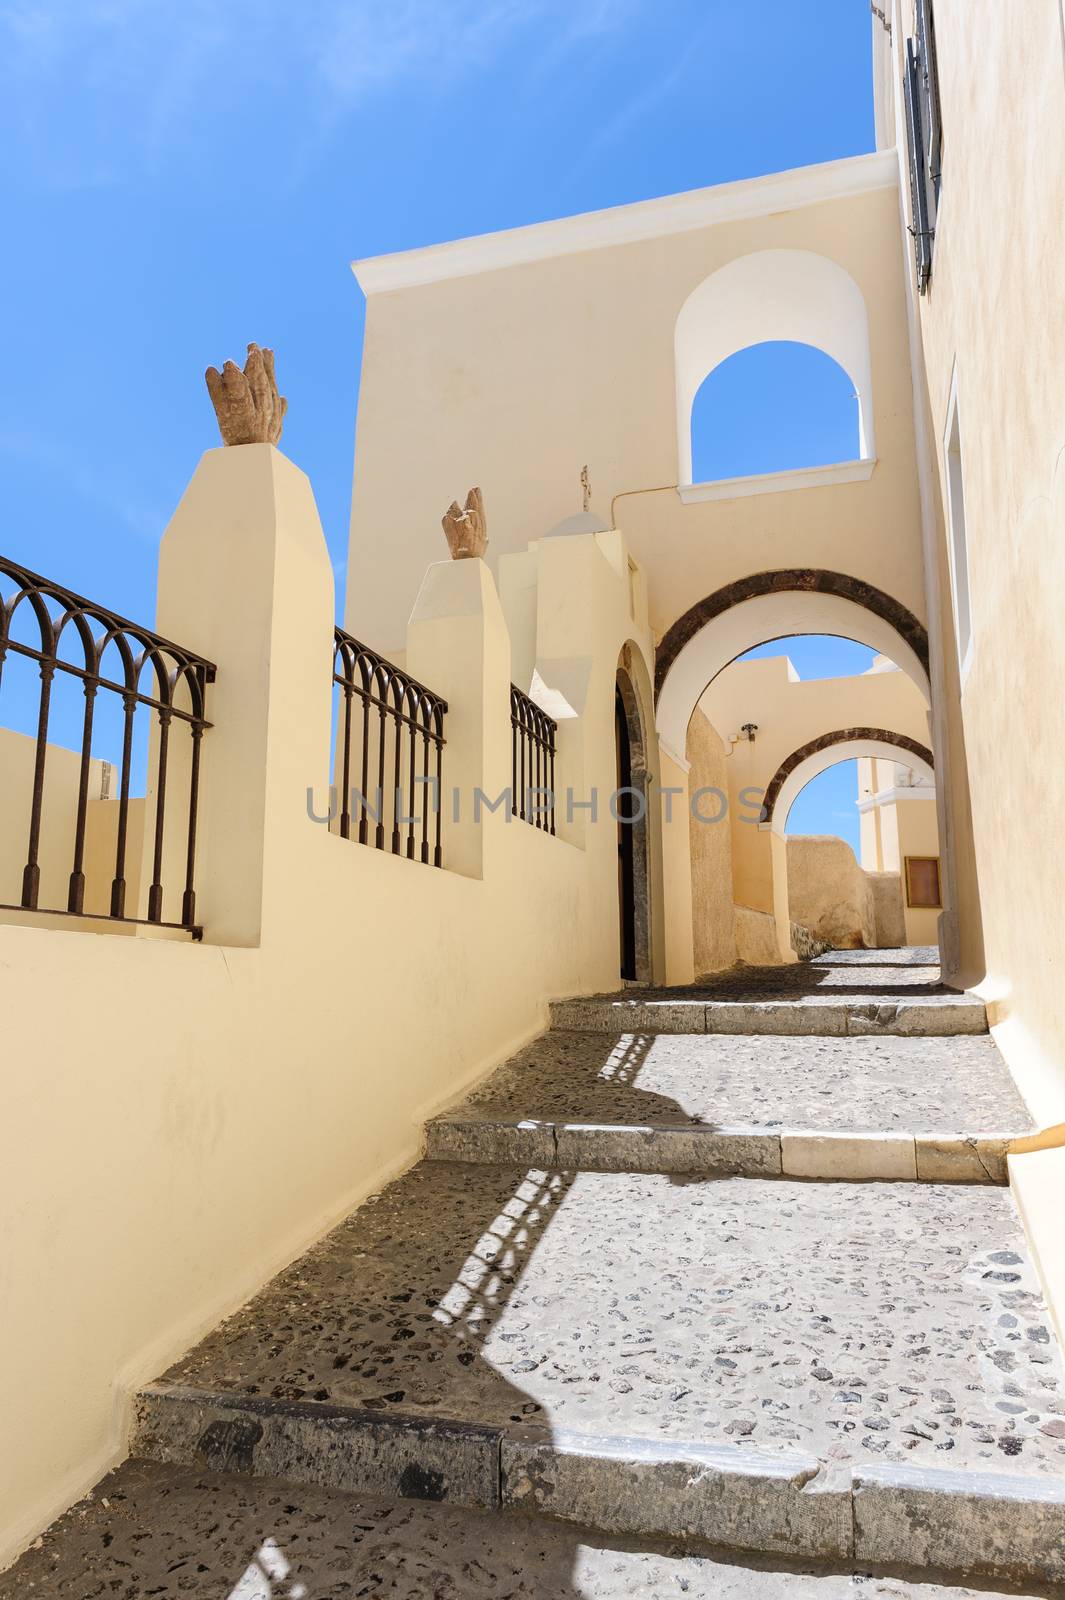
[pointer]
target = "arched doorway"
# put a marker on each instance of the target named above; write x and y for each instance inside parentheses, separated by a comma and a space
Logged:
(631, 810)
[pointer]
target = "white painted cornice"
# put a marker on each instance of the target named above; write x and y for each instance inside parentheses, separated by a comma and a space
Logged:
(645, 219)
(776, 482)
(890, 797)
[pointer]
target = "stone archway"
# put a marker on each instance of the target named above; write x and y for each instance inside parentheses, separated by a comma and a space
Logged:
(806, 580)
(875, 740)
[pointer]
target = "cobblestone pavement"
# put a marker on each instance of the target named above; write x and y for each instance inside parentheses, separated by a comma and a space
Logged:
(857, 1323)
(840, 978)
(909, 955)
(958, 1085)
(174, 1534)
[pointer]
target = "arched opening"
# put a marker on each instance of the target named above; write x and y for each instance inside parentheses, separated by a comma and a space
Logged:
(794, 296)
(632, 812)
(759, 731)
(882, 890)
(773, 407)
(777, 605)
(842, 744)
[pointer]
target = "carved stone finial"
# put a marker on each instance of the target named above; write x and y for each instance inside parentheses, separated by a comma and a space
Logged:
(247, 404)
(465, 527)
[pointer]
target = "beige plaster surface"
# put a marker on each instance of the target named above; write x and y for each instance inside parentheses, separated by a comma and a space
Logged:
(586, 374)
(713, 935)
(202, 1112)
(991, 331)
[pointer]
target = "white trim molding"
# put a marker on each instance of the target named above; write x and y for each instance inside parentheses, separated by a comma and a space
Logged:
(777, 482)
(645, 219)
(888, 797)
(667, 749)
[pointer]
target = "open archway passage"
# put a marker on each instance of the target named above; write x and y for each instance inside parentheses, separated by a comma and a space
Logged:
(826, 806)
(793, 580)
(830, 741)
(773, 407)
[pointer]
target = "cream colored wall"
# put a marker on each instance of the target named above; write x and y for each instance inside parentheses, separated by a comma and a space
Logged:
(789, 713)
(829, 893)
(1001, 328)
(515, 378)
(871, 848)
(895, 829)
(203, 1111)
(677, 876)
(714, 936)
(993, 320)
(62, 772)
(918, 835)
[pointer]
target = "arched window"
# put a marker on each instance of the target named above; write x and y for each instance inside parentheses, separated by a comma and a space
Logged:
(772, 297)
(773, 407)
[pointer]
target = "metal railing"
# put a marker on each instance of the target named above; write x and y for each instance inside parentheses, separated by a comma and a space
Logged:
(389, 753)
(532, 755)
(142, 670)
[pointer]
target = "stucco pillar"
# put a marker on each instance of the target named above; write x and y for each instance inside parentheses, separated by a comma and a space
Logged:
(778, 849)
(245, 580)
(458, 645)
(677, 873)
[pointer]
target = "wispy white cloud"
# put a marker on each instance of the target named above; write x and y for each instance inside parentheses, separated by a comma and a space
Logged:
(92, 91)
(162, 53)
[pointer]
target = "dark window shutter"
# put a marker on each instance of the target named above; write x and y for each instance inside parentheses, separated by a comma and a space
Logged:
(921, 228)
(926, 49)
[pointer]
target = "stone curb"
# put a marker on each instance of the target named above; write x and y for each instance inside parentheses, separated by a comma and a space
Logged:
(751, 1152)
(1008, 1528)
(963, 1523)
(727, 1495)
(945, 1017)
(336, 1447)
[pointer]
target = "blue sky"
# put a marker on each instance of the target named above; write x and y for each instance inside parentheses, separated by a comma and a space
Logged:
(181, 176)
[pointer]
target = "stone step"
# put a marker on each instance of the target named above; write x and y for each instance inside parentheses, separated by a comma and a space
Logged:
(960, 1523)
(744, 1151)
(171, 1532)
(854, 1016)
(820, 1370)
(936, 1110)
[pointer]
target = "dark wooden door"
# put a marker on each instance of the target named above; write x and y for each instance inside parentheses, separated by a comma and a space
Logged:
(625, 807)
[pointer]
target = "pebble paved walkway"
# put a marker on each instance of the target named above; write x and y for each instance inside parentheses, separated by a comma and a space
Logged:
(914, 1329)
(851, 1326)
(918, 1085)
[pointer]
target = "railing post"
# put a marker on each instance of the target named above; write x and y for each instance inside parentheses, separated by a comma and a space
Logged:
(245, 578)
(457, 641)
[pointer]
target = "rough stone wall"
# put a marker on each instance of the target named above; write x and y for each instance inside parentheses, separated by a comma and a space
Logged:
(830, 894)
(756, 938)
(888, 911)
(711, 854)
(804, 943)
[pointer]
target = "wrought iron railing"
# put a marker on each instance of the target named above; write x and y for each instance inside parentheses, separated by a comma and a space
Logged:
(390, 745)
(73, 638)
(532, 754)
